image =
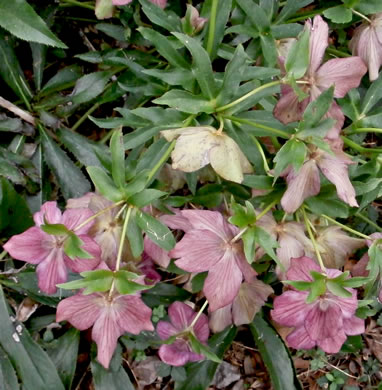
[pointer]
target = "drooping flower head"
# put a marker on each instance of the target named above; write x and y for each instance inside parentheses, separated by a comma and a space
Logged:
(208, 246)
(181, 317)
(110, 317)
(367, 44)
(343, 73)
(47, 251)
(326, 322)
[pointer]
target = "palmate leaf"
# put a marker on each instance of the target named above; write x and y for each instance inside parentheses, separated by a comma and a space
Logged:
(19, 18)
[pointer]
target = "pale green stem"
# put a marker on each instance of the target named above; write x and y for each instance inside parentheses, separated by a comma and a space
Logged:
(259, 216)
(364, 130)
(358, 148)
(123, 236)
(238, 235)
(161, 161)
(96, 215)
(194, 321)
(212, 26)
(85, 116)
(360, 15)
(261, 151)
(247, 95)
(344, 227)
(78, 4)
(308, 228)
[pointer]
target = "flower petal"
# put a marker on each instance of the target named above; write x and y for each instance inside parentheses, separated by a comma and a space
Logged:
(178, 354)
(288, 109)
(335, 113)
(300, 269)
(52, 271)
(49, 212)
(80, 310)
(220, 318)
(318, 42)
(165, 330)
(290, 308)
(354, 326)
(343, 73)
(201, 256)
(301, 185)
(348, 305)
(299, 339)
(332, 344)
(181, 315)
(80, 265)
(32, 246)
(223, 282)
(336, 171)
(159, 255)
(74, 217)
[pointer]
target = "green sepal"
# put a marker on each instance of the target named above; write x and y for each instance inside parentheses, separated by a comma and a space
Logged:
(54, 229)
(202, 349)
(125, 285)
(72, 247)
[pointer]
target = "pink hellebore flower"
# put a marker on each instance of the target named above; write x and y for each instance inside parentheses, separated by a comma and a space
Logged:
(208, 246)
(242, 310)
(179, 352)
(360, 268)
(110, 317)
(325, 322)
(306, 182)
(344, 73)
(159, 3)
(367, 44)
(37, 247)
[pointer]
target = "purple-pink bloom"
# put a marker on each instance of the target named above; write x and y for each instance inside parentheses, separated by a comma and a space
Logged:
(110, 317)
(179, 352)
(306, 182)
(47, 251)
(367, 44)
(208, 246)
(326, 322)
(343, 73)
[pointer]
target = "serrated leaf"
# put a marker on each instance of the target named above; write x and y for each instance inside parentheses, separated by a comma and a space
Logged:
(90, 86)
(19, 18)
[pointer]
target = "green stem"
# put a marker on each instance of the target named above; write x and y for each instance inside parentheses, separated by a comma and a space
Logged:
(360, 15)
(261, 151)
(78, 4)
(238, 235)
(369, 221)
(364, 130)
(338, 53)
(344, 227)
(277, 132)
(308, 228)
(194, 321)
(85, 116)
(123, 236)
(358, 148)
(212, 26)
(259, 216)
(162, 160)
(247, 95)
(96, 215)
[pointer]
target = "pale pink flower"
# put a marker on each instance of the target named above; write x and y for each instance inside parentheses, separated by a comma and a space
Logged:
(208, 247)
(179, 352)
(326, 322)
(47, 251)
(306, 182)
(367, 44)
(343, 73)
(110, 317)
(251, 297)
(196, 21)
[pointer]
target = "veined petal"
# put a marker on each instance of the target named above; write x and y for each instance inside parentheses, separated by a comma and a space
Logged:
(354, 326)
(300, 269)
(80, 310)
(343, 73)
(176, 221)
(289, 248)
(336, 170)
(201, 328)
(165, 330)
(220, 318)
(80, 265)
(181, 315)
(348, 305)
(299, 339)
(288, 109)
(74, 217)
(301, 185)
(177, 354)
(81, 202)
(198, 251)
(50, 212)
(249, 274)
(332, 344)
(223, 282)
(52, 271)
(318, 42)
(290, 308)
(32, 246)
(159, 255)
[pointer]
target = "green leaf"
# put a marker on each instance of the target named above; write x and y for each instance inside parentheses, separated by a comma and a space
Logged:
(318, 288)
(249, 244)
(201, 65)
(73, 248)
(156, 230)
(338, 290)
(134, 235)
(297, 60)
(259, 182)
(33, 366)
(176, 76)
(104, 184)
(255, 14)
(56, 229)
(141, 135)
(145, 197)
(90, 86)
(355, 282)
(299, 285)
(10, 69)
(202, 349)
(293, 153)
(72, 181)
(291, 7)
(8, 377)
(63, 79)
(95, 281)
(369, 6)
(13, 125)
(339, 14)
(375, 263)
(265, 240)
(202, 373)
(186, 102)
(19, 18)
(164, 294)
(63, 353)
(274, 354)
(269, 49)
(164, 47)
(117, 149)
(332, 207)
(372, 96)
(318, 108)
(126, 286)
(160, 17)
(197, 281)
